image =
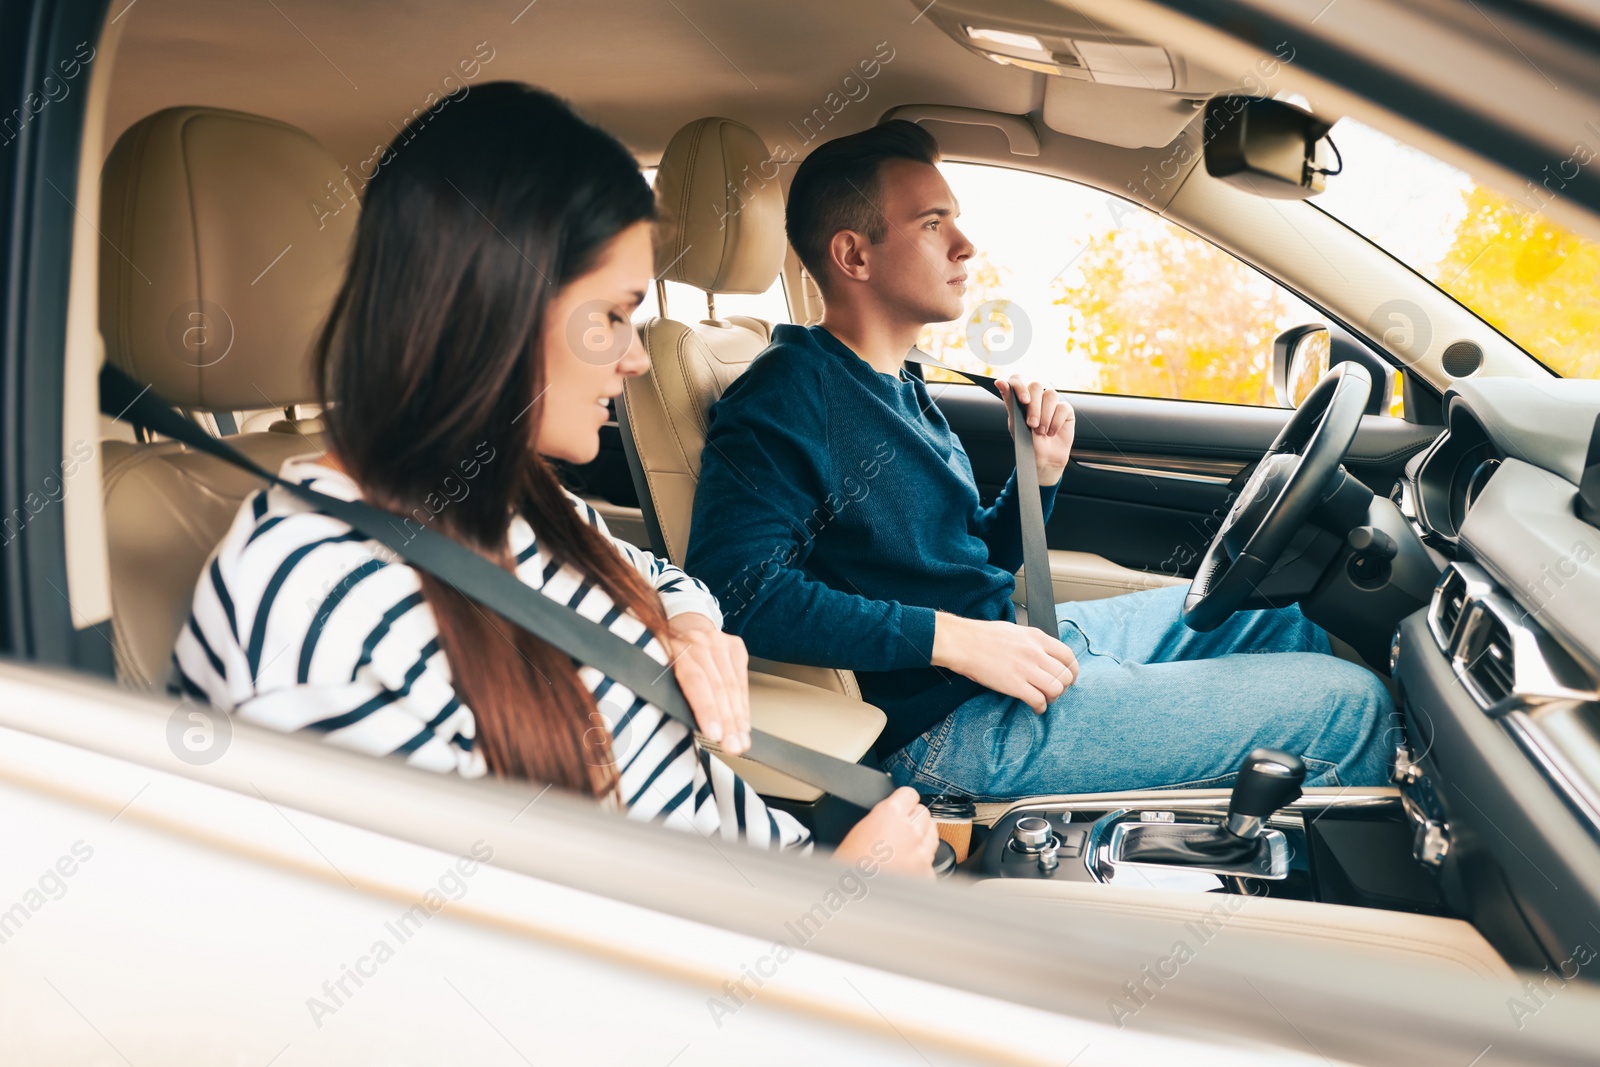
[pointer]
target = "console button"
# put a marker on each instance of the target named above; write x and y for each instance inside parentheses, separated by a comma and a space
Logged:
(1031, 833)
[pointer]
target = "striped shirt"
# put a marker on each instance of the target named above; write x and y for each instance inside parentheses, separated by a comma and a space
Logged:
(300, 623)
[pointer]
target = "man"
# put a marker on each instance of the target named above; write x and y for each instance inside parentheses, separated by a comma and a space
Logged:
(839, 525)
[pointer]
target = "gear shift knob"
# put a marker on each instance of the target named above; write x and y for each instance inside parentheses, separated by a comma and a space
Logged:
(1268, 780)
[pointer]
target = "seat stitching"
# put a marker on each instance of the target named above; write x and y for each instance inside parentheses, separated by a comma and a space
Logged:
(683, 197)
(695, 412)
(649, 482)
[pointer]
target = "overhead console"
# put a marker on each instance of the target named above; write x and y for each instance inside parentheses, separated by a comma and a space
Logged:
(1102, 85)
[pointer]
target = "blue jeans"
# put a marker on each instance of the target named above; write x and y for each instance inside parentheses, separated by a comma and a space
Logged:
(1159, 706)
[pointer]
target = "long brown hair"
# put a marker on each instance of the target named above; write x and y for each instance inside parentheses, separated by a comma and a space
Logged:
(431, 370)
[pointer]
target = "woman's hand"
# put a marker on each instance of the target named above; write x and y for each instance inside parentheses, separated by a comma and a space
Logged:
(712, 669)
(897, 834)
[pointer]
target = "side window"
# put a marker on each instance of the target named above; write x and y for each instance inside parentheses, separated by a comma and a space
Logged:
(685, 303)
(1089, 292)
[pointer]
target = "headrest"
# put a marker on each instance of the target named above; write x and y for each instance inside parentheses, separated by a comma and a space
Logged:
(226, 239)
(721, 210)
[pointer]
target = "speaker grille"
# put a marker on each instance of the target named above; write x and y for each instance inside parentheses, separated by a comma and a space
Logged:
(1462, 358)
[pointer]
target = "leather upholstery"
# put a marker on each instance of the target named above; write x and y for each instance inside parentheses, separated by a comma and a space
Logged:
(828, 722)
(197, 206)
(720, 209)
(669, 408)
(166, 508)
(721, 229)
(1086, 576)
(202, 200)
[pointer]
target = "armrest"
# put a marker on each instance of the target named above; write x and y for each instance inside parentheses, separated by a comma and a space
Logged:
(816, 718)
(1086, 576)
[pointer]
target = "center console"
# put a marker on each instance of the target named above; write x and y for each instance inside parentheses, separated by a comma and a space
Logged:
(1340, 846)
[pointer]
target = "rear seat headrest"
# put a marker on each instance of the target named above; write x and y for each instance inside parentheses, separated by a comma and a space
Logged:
(227, 237)
(721, 209)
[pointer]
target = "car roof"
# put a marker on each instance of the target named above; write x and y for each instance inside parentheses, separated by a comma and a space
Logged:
(1504, 91)
(352, 73)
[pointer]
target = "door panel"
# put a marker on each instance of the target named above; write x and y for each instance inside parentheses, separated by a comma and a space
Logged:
(1149, 479)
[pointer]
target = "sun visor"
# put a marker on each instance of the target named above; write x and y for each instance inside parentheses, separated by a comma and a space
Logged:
(1115, 114)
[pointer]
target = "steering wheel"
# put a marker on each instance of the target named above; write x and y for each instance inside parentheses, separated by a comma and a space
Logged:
(1297, 473)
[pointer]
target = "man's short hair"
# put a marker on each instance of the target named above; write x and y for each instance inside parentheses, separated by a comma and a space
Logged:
(837, 187)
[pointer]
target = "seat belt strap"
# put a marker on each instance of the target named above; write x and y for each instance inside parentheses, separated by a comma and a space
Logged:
(1037, 584)
(479, 579)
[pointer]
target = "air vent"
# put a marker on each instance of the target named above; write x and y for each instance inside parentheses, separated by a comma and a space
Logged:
(1462, 359)
(1449, 601)
(1490, 667)
(1450, 610)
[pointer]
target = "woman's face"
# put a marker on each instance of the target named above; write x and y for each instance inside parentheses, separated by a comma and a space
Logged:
(590, 346)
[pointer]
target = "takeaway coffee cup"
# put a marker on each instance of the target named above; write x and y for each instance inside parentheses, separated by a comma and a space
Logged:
(952, 818)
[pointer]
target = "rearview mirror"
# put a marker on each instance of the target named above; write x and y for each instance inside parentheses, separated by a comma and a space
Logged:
(1267, 147)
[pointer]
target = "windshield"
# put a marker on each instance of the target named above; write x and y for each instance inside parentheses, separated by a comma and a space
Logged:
(1528, 277)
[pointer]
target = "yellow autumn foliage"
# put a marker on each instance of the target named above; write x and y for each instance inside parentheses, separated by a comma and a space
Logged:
(1533, 280)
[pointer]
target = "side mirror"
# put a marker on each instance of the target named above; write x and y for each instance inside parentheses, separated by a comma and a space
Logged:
(1589, 485)
(1301, 355)
(1267, 147)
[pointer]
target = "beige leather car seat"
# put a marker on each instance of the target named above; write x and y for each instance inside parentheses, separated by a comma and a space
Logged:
(225, 244)
(720, 230)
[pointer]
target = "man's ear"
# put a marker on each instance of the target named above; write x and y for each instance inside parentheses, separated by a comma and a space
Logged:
(848, 251)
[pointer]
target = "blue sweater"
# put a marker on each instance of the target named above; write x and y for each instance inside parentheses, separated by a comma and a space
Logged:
(836, 510)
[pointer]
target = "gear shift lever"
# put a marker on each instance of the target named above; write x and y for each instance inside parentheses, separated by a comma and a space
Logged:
(1268, 780)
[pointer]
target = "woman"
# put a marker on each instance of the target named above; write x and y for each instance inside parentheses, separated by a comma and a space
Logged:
(481, 329)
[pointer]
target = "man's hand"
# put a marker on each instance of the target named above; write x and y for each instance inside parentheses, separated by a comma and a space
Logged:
(1052, 421)
(712, 669)
(1019, 661)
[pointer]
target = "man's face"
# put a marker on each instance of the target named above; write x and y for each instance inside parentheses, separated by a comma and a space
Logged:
(918, 271)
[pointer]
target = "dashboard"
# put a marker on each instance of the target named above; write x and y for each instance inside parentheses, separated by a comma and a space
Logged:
(1499, 676)
(1445, 480)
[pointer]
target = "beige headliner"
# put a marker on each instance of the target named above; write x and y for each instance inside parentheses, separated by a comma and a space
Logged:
(352, 71)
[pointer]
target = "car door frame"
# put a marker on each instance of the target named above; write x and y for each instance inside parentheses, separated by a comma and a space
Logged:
(38, 170)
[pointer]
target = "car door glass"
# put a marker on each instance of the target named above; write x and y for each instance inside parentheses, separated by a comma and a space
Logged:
(1089, 292)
